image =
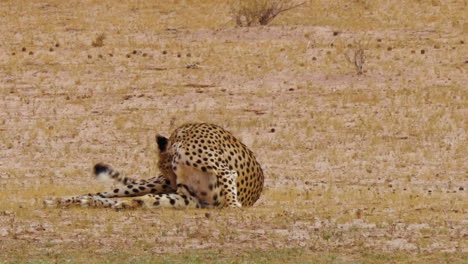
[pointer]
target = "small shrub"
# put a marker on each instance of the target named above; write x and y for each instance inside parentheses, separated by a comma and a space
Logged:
(99, 41)
(259, 12)
(357, 57)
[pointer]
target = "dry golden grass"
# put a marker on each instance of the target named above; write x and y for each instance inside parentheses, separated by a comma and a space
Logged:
(367, 168)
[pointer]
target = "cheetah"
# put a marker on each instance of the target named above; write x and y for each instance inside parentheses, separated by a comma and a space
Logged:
(202, 166)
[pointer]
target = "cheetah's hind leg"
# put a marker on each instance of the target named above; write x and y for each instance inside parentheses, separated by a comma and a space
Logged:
(182, 198)
(79, 200)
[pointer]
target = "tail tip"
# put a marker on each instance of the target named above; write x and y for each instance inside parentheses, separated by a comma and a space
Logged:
(162, 143)
(101, 168)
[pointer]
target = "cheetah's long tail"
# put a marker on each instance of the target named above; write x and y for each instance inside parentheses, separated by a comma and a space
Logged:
(105, 172)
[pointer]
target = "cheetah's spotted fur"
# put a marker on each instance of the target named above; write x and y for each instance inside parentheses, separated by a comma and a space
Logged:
(202, 166)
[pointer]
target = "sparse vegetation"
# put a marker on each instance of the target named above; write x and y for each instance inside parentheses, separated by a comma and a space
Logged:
(356, 57)
(248, 13)
(368, 169)
(99, 41)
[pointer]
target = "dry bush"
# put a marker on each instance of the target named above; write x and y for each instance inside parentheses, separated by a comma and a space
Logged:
(259, 12)
(99, 41)
(357, 57)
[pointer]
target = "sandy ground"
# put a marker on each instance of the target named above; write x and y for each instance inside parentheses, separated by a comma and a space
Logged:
(355, 164)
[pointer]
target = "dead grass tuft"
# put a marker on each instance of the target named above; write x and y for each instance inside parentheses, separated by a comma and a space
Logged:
(355, 55)
(99, 41)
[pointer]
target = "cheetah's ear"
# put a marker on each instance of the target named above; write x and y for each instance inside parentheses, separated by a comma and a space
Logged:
(162, 143)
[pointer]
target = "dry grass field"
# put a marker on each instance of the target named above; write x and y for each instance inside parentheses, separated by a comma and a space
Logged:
(369, 168)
